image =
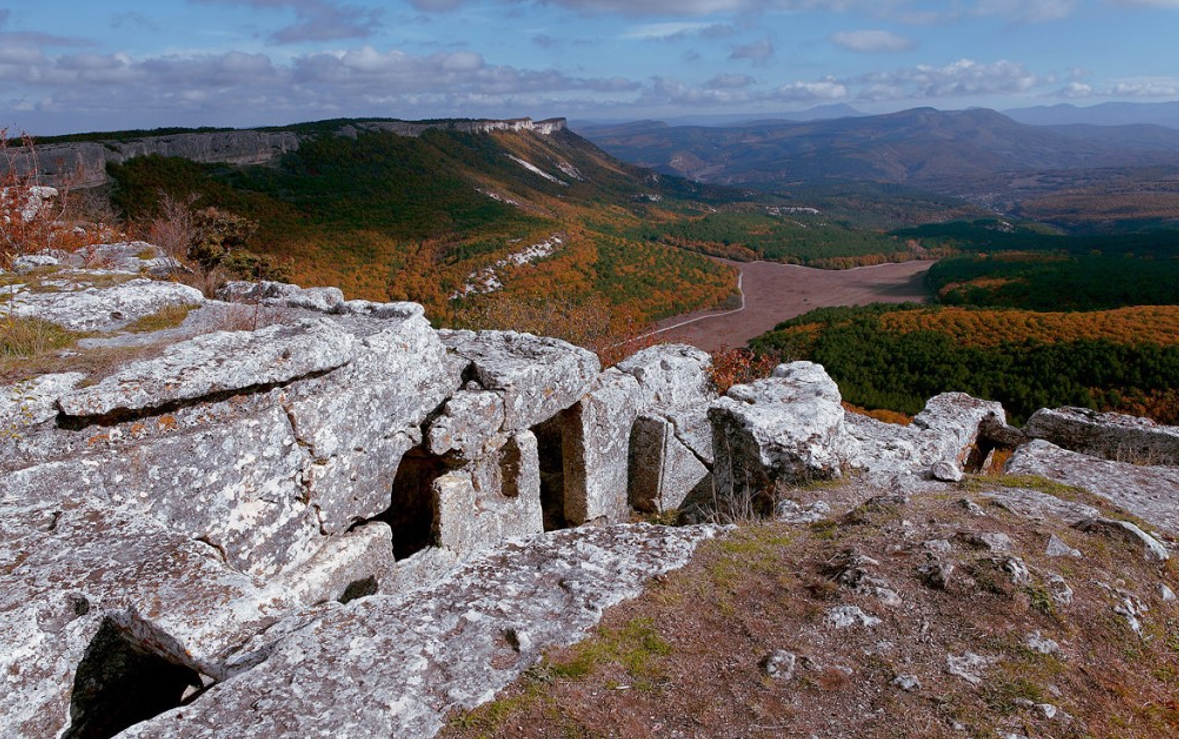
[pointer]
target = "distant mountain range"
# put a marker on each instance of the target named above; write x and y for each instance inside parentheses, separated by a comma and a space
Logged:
(1106, 114)
(919, 146)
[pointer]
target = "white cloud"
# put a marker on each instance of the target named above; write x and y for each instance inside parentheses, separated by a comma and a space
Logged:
(1160, 87)
(963, 78)
(824, 90)
(873, 41)
(758, 52)
(663, 30)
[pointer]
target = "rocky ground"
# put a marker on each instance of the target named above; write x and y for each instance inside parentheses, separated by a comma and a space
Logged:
(279, 513)
(976, 610)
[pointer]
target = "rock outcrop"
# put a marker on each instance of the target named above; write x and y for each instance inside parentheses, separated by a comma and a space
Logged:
(358, 521)
(85, 162)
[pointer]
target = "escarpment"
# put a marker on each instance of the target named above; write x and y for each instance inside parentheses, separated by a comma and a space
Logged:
(293, 514)
(83, 164)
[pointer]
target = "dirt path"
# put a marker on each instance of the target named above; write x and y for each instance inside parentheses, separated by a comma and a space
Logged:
(774, 292)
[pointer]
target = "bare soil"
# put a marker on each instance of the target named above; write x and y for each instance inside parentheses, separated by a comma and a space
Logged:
(686, 660)
(777, 292)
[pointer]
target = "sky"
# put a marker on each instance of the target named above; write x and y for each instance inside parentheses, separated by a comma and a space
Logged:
(70, 66)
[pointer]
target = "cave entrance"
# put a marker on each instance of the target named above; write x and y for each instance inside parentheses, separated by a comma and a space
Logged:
(411, 507)
(550, 443)
(119, 683)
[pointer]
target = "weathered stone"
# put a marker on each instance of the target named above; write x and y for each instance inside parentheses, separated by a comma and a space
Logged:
(781, 428)
(907, 683)
(233, 482)
(1151, 493)
(1151, 548)
(778, 664)
(388, 666)
(671, 376)
(1057, 548)
(536, 376)
(936, 574)
(789, 511)
(1113, 436)
(595, 450)
(940, 441)
(75, 568)
(490, 501)
(33, 401)
(79, 307)
(968, 666)
(352, 561)
(321, 299)
(470, 425)
(1042, 644)
(1040, 506)
(224, 361)
(946, 471)
(662, 470)
(357, 422)
(842, 617)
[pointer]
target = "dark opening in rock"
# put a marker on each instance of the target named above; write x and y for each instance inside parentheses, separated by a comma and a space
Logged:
(411, 509)
(119, 683)
(550, 443)
(359, 589)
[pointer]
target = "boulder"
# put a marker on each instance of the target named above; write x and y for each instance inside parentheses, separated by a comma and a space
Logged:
(784, 428)
(321, 299)
(469, 426)
(537, 377)
(663, 471)
(358, 421)
(78, 304)
(490, 501)
(595, 445)
(1112, 436)
(84, 586)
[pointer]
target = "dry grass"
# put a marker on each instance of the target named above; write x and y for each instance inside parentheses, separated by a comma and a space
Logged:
(768, 586)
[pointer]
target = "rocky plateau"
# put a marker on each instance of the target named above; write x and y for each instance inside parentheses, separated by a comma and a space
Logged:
(290, 514)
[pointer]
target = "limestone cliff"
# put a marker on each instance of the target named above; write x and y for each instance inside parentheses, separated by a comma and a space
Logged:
(84, 163)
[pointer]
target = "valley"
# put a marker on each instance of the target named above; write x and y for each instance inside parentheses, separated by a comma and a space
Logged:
(777, 292)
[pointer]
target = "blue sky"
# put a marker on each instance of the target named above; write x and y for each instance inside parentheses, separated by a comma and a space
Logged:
(79, 66)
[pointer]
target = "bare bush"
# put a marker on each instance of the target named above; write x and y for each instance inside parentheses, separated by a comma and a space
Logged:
(174, 230)
(30, 212)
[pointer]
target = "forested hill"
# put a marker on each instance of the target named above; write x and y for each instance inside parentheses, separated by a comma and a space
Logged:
(462, 216)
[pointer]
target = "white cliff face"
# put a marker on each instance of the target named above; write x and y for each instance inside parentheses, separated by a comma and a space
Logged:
(197, 518)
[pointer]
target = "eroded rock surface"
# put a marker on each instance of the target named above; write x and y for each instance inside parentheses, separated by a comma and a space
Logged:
(1149, 492)
(1114, 436)
(388, 666)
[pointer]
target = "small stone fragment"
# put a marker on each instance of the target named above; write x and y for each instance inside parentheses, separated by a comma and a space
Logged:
(789, 511)
(1057, 548)
(1041, 644)
(968, 666)
(778, 664)
(1166, 593)
(936, 574)
(939, 546)
(1017, 570)
(971, 507)
(843, 617)
(1061, 592)
(946, 471)
(1047, 710)
(907, 683)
